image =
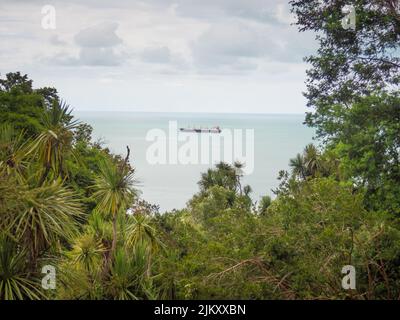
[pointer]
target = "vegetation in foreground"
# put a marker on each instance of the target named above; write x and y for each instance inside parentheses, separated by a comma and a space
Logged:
(64, 198)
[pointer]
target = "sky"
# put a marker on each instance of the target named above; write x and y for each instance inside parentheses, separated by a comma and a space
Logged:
(237, 56)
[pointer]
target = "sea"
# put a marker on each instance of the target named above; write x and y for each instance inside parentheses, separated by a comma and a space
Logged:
(168, 163)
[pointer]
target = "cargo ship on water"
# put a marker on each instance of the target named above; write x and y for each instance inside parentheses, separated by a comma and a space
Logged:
(202, 130)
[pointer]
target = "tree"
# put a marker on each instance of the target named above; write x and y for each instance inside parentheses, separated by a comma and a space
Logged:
(55, 142)
(312, 159)
(83, 133)
(20, 105)
(224, 175)
(142, 234)
(319, 226)
(349, 64)
(298, 166)
(40, 216)
(15, 283)
(114, 194)
(370, 149)
(13, 149)
(264, 204)
(17, 82)
(353, 87)
(51, 174)
(50, 95)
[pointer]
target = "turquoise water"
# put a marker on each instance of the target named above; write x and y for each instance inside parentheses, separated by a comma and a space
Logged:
(277, 138)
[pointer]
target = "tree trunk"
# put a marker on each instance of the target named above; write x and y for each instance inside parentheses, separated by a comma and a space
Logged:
(33, 255)
(110, 255)
(45, 174)
(148, 268)
(114, 241)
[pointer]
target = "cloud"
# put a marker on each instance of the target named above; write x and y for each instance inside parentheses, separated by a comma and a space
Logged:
(227, 35)
(264, 11)
(97, 47)
(102, 57)
(99, 36)
(261, 10)
(164, 61)
(160, 54)
(56, 41)
(209, 46)
(226, 45)
(99, 56)
(241, 45)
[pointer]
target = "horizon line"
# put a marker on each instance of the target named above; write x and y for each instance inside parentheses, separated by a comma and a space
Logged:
(191, 112)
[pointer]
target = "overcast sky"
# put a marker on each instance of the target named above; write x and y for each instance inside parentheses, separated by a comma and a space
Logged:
(161, 55)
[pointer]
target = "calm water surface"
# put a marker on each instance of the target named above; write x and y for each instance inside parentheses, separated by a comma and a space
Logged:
(277, 138)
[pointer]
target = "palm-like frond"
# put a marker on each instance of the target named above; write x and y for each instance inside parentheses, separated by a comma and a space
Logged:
(14, 281)
(114, 193)
(54, 144)
(87, 252)
(312, 159)
(247, 190)
(48, 213)
(140, 231)
(125, 277)
(141, 234)
(74, 282)
(224, 175)
(13, 149)
(59, 116)
(99, 227)
(298, 166)
(128, 280)
(114, 189)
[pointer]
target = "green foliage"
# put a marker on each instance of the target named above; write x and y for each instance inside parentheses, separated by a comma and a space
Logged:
(114, 188)
(353, 87)
(128, 276)
(264, 204)
(54, 144)
(44, 215)
(22, 105)
(15, 282)
(67, 201)
(349, 64)
(369, 146)
(294, 251)
(87, 251)
(51, 178)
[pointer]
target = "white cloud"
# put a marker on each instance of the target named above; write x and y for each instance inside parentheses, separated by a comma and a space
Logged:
(97, 47)
(242, 45)
(99, 36)
(263, 11)
(99, 56)
(160, 54)
(159, 41)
